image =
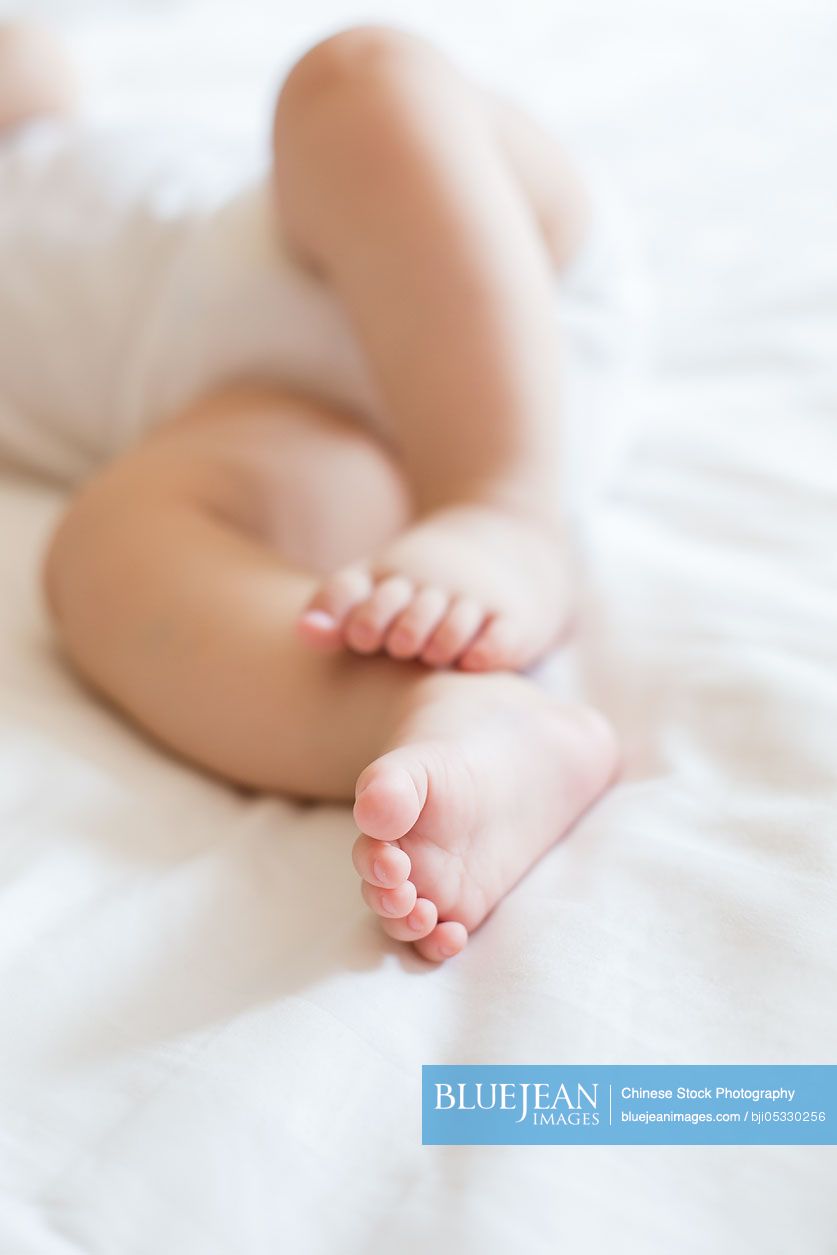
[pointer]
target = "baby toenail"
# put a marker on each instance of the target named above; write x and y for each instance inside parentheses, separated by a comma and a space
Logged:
(416, 923)
(320, 619)
(381, 873)
(391, 908)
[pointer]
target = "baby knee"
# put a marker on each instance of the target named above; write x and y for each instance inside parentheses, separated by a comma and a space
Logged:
(357, 58)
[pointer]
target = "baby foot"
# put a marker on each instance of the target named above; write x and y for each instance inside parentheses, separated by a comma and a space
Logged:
(481, 787)
(472, 586)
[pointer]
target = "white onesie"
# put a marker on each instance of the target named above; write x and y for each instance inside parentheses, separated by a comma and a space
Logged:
(140, 270)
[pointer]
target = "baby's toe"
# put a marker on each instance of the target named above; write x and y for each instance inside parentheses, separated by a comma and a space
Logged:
(367, 623)
(380, 863)
(443, 942)
(455, 632)
(421, 921)
(414, 626)
(389, 797)
(392, 903)
(498, 646)
(321, 622)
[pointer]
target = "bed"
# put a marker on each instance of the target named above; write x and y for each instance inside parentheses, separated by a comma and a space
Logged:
(194, 1057)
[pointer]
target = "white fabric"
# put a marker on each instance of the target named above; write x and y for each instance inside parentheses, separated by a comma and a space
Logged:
(141, 270)
(143, 267)
(205, 1045)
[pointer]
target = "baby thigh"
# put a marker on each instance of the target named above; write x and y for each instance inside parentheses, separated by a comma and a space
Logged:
(177, 574)
(303, 478)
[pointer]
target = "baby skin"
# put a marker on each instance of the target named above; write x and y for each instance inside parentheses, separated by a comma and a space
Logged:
(440, 216)
(479, 786)
(273, 595)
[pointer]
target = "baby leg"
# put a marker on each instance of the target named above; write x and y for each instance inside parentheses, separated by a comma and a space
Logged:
(432, 215)
(176, 578)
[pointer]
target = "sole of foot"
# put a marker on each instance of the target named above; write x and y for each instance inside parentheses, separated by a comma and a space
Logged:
(488, 773)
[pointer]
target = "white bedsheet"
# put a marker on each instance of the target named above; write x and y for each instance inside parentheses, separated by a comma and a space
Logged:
(206, 1046)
